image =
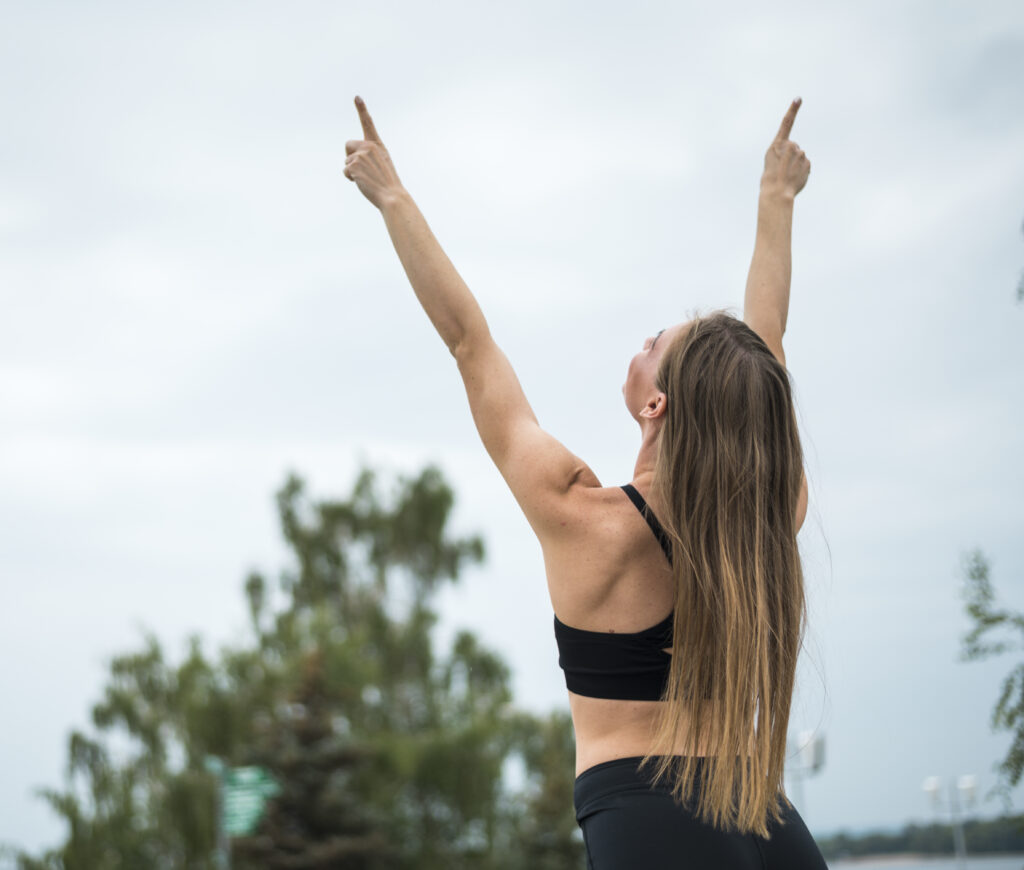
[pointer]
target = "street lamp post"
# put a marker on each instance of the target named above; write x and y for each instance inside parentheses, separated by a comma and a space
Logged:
(960, 791)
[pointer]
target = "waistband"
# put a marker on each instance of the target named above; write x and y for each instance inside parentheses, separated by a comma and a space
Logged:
(597, 785)
(631, 763)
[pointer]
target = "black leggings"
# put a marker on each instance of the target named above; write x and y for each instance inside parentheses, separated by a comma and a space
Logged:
(628, 824)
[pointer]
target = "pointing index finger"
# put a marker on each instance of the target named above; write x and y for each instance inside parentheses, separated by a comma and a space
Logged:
(787, 121)
(369, 131)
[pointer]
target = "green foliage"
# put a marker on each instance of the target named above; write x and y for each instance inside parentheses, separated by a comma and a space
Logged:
(387, 753)
(989, 620)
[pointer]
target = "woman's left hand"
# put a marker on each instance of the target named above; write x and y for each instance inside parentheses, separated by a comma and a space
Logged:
(368, 163)
(786, 167)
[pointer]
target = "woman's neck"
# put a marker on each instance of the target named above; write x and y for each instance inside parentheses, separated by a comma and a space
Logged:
(643, 471)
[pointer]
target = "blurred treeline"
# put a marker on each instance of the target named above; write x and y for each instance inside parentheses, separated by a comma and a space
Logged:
(389, 753)
(1004, 834)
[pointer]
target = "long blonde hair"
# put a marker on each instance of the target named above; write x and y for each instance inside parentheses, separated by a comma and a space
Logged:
(727, 479)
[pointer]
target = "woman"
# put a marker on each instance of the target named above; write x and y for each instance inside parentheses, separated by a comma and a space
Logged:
(680, 719)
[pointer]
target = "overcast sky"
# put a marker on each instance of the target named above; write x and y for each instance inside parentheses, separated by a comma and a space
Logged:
(197, 301)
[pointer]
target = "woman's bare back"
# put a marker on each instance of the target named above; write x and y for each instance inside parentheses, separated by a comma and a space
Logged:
(608, 573)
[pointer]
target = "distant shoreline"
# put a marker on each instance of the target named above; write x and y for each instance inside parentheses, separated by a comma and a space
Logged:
(916, 857)
(998, 838)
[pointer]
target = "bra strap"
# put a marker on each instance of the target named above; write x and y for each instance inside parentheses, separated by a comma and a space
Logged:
(652, 520)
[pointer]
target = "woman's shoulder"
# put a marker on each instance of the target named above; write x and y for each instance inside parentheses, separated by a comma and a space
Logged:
(589, 511)
(603, 556)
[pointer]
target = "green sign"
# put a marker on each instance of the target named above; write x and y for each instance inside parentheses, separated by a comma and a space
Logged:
(246, 790)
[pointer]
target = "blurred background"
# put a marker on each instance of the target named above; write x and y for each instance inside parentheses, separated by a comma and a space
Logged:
(197, 304)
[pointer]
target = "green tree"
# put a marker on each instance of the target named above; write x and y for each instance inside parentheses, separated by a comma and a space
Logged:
(386, 753)
(545, 834)
(993, 633)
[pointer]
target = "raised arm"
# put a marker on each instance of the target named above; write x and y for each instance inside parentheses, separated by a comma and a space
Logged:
(538, 469)
(766, 301)
(440, 289)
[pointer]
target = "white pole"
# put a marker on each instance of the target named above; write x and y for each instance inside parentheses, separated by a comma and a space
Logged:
(933, 785)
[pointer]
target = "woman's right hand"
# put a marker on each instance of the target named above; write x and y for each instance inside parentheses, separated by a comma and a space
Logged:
(786, 167)
(368, 163)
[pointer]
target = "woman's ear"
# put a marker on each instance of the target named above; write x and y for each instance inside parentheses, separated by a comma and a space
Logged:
(655, 407)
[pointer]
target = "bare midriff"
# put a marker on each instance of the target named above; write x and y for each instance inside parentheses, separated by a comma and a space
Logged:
(608, 729)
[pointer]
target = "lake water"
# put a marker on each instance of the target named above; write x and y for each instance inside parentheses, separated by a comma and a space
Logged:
(998, 862)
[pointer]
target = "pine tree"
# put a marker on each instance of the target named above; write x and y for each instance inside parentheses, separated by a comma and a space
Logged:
(386, 754)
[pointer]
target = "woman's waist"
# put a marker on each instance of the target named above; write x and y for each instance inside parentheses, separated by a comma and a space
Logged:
(607, 742)
(608, 730)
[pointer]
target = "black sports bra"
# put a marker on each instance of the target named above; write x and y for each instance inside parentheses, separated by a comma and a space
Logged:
(628, 666)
